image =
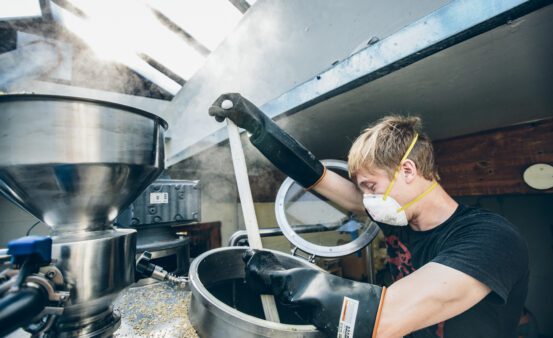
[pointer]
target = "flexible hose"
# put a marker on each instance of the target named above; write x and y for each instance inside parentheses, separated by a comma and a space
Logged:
(19, 308)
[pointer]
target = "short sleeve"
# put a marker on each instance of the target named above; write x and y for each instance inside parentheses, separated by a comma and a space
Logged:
(488, 248)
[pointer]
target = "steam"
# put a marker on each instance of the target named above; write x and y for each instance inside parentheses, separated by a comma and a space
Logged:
(111, 43)
(214, 169)
(104, 36)
(27, 62)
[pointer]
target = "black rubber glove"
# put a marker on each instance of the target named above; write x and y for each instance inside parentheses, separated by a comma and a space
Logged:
(280, 148)
(324, 300)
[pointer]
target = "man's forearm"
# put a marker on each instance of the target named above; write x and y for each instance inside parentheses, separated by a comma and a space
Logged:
(401, 313)
(341, 191)
(428, 296)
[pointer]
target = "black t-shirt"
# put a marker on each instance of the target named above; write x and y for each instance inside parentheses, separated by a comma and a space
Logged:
(481, 244)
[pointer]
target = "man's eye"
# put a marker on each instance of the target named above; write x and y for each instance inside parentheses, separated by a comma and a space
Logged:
(367, 187)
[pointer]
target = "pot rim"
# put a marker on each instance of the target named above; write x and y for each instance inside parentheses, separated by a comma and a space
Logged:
(214, 304)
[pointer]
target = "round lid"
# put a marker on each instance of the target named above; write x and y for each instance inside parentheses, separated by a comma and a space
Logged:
(318, 226)
(539, 176)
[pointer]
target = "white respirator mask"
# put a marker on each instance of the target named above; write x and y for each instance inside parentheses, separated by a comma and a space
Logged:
(385, 209)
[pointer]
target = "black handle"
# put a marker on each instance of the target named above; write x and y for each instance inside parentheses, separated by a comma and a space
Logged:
(19, 308)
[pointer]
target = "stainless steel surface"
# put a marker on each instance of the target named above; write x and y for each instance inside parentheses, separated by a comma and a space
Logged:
(223, 269)
(74, 163)
(96, 266)
(367, 233)
(101, 325)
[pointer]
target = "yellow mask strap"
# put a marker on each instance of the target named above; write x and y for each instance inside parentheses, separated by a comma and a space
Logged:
(418, 198)
(399, 166)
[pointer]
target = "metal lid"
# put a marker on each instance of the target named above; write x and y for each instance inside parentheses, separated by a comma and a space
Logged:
(318, 226)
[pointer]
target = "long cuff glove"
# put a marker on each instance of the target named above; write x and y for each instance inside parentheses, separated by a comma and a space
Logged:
(336, 306)
(281, 149)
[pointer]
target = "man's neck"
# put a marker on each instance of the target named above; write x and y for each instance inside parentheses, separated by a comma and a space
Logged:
(431, 211)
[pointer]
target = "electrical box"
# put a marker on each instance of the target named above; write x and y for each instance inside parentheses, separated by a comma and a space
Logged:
(164, 201)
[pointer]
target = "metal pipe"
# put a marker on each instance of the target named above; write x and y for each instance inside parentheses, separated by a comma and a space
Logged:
(20, 308)
(6, 286)
(240, 235)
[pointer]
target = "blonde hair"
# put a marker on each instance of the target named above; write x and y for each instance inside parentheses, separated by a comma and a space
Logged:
(383, 144)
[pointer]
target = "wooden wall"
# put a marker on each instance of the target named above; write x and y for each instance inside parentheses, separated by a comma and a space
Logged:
(492, 162)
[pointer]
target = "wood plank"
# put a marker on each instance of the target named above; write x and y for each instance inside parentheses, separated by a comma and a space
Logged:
(492, 162)
(248, 209)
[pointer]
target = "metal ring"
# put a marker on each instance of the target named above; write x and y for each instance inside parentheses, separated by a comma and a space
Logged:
(315, 249)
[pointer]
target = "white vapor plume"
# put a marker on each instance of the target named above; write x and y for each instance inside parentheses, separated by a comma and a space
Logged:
(28, 62)
(122, 30)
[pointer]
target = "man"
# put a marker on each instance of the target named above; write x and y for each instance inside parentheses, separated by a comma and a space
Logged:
(458, 271)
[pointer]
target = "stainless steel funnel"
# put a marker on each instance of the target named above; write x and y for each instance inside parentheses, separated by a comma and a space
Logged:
(75, 163)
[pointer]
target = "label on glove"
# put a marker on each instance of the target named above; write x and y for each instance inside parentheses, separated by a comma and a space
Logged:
(347, 318)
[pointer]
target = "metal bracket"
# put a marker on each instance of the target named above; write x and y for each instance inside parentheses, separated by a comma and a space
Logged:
(293, 251)
(48, 279)
(51, 310)
(311, 258)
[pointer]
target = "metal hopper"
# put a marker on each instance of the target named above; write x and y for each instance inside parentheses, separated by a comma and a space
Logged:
(74, 164)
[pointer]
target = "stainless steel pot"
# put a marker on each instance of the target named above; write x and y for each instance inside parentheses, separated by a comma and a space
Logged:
(222, 306)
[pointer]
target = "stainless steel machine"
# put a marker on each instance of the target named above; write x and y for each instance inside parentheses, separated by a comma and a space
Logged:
(165, 203)
(74, 164)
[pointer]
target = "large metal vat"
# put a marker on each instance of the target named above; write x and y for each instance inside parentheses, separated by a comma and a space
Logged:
(223, 306)
(75, 164)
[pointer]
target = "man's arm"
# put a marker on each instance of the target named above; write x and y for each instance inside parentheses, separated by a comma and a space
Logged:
(428, 296)
(341, 191)
(285, 152)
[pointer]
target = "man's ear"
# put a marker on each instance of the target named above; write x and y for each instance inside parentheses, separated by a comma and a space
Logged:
(409, 170)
